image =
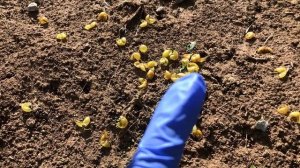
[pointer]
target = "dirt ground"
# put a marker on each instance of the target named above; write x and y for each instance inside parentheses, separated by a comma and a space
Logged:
(90, 76)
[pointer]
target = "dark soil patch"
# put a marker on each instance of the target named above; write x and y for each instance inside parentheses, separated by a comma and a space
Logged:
(90, 76)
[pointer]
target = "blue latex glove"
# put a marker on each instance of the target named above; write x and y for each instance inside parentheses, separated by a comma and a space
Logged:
(163, 142)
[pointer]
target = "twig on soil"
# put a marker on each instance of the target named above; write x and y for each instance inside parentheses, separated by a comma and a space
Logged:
(106, 3)
(137, 32)
(248, 28)
(135, 18)
(137, 121)
(208, 74)
(89, 50)
(268, 39)
(290, 65)
(132, 102)
(122, 31)
(83, 88)
(221, 106)
(251, 58)
(114, 74)
(246, 141)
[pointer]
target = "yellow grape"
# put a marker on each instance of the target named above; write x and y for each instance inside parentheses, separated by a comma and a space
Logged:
(282, 72)
(150, 73)
(250, 36)
(144, 83)
(103, 16)
(86, 121)
(143, 48)
(283, 109)
(184, 61)
(122, 122)
(135, 56)
(143, 67)
(167, 75)
(166, 53)
(137, 64)
(196, 132)
(105, 140)
(187, 56)
(90, 26)
(151, 64)
(180, 75)
(195, 58)
(140, 65)
(280, 69)
(192, 67)
(174, 55)
(150, 20)
(294, 116)
(61, 36)
(43, 20)
(174, 77)
(164, 61)
(264, 50)
(202, 59)
(121, 41)
(26, 107)
(144, 24)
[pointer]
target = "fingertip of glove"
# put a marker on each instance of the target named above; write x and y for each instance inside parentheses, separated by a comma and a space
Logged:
(196, 80)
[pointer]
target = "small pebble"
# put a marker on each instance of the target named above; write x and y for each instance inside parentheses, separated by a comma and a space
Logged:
(38, 1)
(32, 7)
(261, 125)
(179, 1)
(294, 2)
(297, 16)
(30, 122)
(145, 1)
(160, 9)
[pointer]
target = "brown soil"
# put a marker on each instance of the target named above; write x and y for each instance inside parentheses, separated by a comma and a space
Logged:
(90, 76)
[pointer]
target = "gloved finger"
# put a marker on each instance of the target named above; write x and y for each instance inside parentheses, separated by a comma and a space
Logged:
(163, 142)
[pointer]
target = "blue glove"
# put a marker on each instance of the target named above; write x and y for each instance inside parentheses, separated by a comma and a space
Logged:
(163, 142)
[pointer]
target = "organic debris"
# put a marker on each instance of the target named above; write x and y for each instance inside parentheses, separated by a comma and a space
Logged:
(190, 47)
(33, 7)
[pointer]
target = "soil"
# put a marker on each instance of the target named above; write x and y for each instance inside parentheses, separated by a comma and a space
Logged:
(90, 76)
